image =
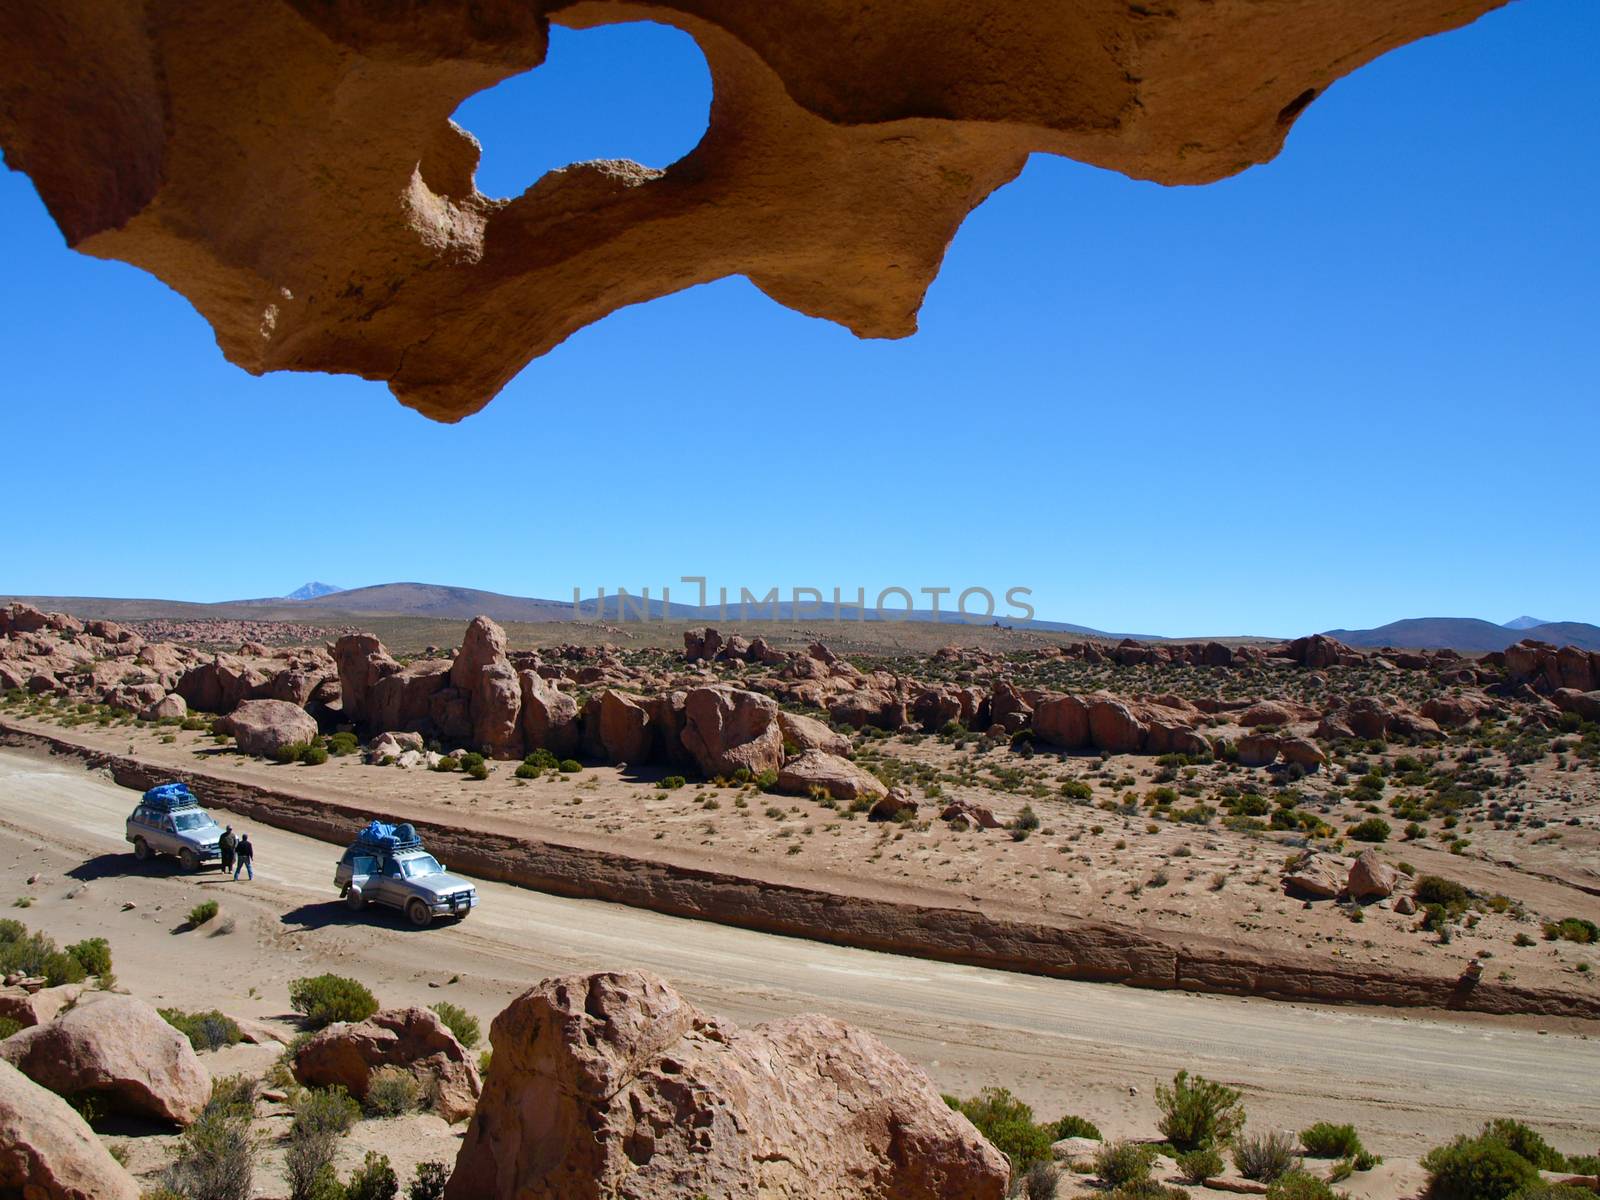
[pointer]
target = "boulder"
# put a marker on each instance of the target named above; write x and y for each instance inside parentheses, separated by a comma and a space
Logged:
(868, 706)
(839, 777)
(549, 717)
(1266, 712)
(1302, 752)
(1257, 749)
(617, 727)
(402, 699)
(361, 661)
(28, 1009)
(119, 1050)
(726, 729)
(977, 815)
(48, 1152)
(1113, 727)
(1405, 906)
(266, 726)
(497, 712)
(613, 1085)
(414, 1039)
(170, 707)
(807, 733)
(1371, 878)
(896, 806)
(1062, 721)
(1315, 877)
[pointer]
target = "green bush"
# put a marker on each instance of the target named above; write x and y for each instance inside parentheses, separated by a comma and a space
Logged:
(1008, 1123)
(1264, 1157)
(209, 1030)
(8, 1026)
(471, 759)
(1572, 929)
(1076, 789)
(1299, 1185)
(1041, 1181)
(324, 999)
(1545, 1190)
(36, 955)
(429, 1181)
(1480, 1168)
(671, 783)
(446, 764)
(1324, 1140)
(314, 755)
(233, 1093)
(1122, 1162)
(1146, 1189)
(308, 1166)
(216, 1158)
(373, 1180)
(460, 1022)
(1524, 1140)
(202, 912)
(342, 743)
(329, 1110)
(569, 766)
(393, 1092)
(93, 955)
(1197, 1166)
(290, 752)
(1197, 1112)
(478, 771)
(541, 760)
(524, 771)
(1447, 893)
(1373, 829)
(1074, 1126)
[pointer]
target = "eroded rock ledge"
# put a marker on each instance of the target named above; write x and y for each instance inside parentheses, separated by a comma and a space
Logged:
(291, 168)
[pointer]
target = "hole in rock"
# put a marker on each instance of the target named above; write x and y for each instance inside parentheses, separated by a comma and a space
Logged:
(640, 91)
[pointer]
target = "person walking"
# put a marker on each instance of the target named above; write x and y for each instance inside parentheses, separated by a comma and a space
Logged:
(225, 844)
(246, 855)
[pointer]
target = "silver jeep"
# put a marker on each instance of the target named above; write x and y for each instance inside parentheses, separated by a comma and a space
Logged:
(409, 879)
(187, 833)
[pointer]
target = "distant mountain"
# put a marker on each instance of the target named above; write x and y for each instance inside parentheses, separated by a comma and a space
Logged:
(312, 590)
(1468, 635)
(1527, 623)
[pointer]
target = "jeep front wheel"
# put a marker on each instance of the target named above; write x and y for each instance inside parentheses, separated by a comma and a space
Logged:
(419, 913)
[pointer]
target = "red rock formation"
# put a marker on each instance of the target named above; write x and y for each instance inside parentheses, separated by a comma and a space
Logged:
(613, 1084)
(346, 233)
(48, 1152)
(414, 1039)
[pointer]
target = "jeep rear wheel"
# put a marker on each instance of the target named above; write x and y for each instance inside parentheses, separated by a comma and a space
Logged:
(141, 849)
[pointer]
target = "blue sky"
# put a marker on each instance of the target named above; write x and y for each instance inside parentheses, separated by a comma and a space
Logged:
(1352, 385)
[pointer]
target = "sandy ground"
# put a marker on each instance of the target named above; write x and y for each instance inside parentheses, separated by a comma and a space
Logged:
(1128, 867)
(1407, 1081)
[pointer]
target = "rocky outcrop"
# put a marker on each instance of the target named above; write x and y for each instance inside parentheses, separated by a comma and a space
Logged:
(839, 777)
(617, 728)
(549, 717)
(1549, 668)
(726, 729)
(1371, 878)
(483, 674)
(414, 1039)
(360, 661)
(37, 1007)
(1315, 877)
(119, 1050)
(614, 1085)
(267, 726)
(807, 733)
(403, 699)
(48, 1152)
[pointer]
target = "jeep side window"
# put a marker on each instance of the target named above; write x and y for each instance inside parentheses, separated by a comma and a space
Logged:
(391, 868)
(363, 864)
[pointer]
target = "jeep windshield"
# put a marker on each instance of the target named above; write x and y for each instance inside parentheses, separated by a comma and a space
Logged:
(187, 821)
(423, 864)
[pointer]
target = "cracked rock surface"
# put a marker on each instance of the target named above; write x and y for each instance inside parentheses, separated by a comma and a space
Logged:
(291, 168)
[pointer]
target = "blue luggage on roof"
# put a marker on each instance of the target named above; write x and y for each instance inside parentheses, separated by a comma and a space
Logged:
(167, 797)
(388, 838)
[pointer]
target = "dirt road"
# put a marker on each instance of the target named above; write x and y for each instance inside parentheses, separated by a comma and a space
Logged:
(1407, 1080)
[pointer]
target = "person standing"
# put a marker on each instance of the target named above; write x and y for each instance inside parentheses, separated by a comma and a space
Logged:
(246, 855)
(225, 844)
